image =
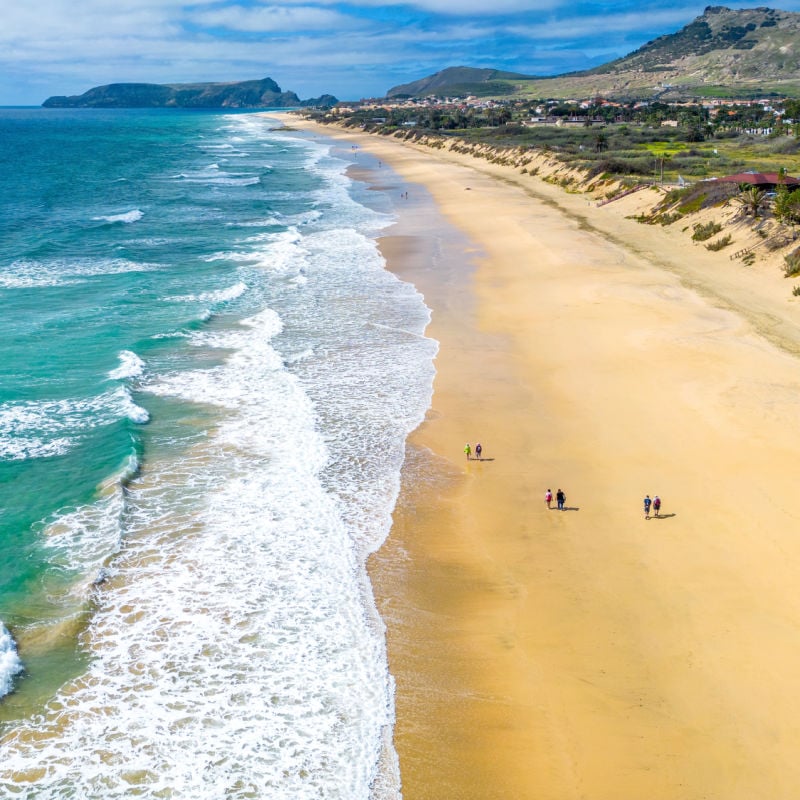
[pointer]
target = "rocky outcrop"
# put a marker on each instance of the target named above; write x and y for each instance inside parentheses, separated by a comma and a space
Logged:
(245, 94)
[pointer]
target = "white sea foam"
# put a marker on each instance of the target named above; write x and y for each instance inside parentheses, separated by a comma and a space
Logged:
(26, 420)
(134, 412)
(18, 448)
(127, 217)
(232, 656)
(227, 150)
(293, 358)
(83, 539)
(173, 335)
(237, 652)
(10, 664)
(130, 366)
(230, 255)
(283, 252)
(218, 178)
(284, 220)
(61, 272)
(217, 296)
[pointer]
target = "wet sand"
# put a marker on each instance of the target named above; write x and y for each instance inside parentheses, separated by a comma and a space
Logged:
(592, 653)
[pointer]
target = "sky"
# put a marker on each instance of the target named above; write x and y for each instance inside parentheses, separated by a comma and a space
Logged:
(350, 49)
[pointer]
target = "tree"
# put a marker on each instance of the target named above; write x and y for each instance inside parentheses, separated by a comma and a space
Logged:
(600, 142)
(791, 109)
(697, 132)
(751, 198)
(787, 205)
(501, 116)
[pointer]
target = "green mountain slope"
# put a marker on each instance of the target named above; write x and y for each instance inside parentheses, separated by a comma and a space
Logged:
(245, 94)
(459, 81)
(749, 49)
(723, 52)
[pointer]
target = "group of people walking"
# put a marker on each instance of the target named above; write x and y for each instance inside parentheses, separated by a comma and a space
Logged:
(478, 451)
(655, 504)
(561, 498)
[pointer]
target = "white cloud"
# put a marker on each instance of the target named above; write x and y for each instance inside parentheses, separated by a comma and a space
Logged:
(464, 8)
(458, 8)
(62, 20)
(311, 46)
(273, 18)
(604, 24)
(482, 8)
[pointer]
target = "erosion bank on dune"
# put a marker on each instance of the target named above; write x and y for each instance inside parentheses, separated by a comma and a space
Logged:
(592, 653)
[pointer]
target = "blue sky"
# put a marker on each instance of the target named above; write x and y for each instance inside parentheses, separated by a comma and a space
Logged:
(351, 49)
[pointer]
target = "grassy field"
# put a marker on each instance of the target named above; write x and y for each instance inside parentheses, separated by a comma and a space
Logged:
(648, 152)
(636, 151)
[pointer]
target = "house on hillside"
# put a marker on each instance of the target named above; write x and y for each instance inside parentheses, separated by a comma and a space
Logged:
(768, 181)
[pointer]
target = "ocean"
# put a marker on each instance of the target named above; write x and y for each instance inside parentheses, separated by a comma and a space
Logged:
(207, 379)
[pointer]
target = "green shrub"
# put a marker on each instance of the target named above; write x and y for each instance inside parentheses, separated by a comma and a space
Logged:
(620, 166)
(704, 232)
(723, 241)
(796, 291)
(673, 195)
(690, 206)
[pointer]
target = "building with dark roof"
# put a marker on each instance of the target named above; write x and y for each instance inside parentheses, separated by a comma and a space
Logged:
(768, 181)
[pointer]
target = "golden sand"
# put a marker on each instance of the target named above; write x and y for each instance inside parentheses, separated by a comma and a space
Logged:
(592, 653)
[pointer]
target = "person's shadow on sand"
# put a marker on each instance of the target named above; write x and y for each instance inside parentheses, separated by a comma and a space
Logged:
(570, 508)
(474, 458)
(662, 516)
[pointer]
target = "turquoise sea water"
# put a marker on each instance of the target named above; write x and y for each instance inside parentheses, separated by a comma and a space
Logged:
(206, 382)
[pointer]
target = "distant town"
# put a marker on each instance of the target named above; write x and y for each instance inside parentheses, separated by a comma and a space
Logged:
(701, 119)
(677, 143)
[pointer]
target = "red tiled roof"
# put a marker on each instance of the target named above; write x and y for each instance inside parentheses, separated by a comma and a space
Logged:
(760, 179)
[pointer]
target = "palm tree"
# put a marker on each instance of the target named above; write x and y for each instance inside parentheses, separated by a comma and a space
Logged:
(752, 199)
(600, 142)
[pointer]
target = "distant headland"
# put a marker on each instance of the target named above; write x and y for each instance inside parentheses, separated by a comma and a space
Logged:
(245, 94)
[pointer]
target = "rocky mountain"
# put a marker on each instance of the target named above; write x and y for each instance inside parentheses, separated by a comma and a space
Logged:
(746, 50)
(460, 81)
(722, 53)
(245, 94)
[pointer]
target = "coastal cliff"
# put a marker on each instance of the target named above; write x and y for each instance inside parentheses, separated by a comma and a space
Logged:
(245, 94)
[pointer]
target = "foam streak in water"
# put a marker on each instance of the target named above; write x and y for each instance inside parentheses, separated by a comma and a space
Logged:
(10, 665)
(130, 366)
(217, 296)
(127, 217)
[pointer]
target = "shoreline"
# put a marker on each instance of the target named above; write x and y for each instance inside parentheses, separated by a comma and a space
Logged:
(592, 654)
(759, 293)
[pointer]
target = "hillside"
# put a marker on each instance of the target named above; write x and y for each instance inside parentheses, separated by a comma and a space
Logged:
(245, 94)
(721, 53)
(459, 81)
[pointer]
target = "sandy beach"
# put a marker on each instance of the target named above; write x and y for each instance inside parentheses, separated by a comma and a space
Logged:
(592, 653)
